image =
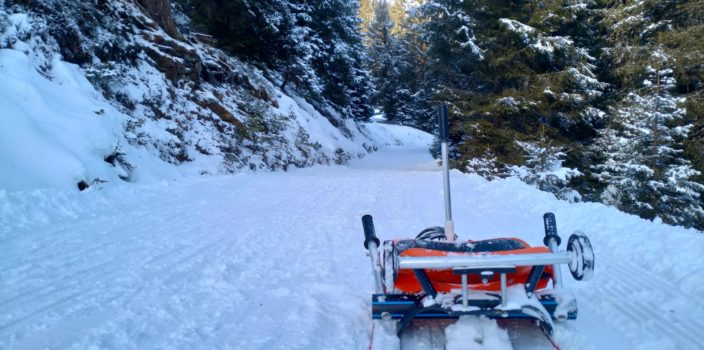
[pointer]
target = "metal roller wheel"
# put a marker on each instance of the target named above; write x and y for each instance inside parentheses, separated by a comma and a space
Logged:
(582, 263)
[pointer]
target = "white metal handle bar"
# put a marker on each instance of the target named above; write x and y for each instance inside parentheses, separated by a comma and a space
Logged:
(483, 260)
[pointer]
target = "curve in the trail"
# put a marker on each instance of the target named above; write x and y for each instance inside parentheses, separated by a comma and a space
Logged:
(275, 260)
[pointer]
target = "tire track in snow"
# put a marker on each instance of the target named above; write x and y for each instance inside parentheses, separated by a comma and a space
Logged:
(63, 273)
(33, 294)
(642, 302)
(77, 275)
(271, 261)
(44, 309)
(681, 318)
(55, 300)
(635, 274)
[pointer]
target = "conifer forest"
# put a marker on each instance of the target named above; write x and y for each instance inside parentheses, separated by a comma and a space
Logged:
(592, 100)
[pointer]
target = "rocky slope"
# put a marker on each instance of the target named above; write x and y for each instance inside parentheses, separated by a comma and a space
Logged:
(156, 102)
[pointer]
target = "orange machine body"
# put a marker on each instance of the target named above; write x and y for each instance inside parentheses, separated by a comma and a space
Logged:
(445, 280)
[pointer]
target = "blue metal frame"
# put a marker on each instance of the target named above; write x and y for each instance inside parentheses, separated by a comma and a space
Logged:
(407, 307)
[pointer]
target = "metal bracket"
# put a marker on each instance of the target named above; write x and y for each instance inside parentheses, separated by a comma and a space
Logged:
(535, 273)
(425, 283)
(485, 273)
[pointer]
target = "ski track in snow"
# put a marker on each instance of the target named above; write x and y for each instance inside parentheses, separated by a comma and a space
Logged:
(275, 261)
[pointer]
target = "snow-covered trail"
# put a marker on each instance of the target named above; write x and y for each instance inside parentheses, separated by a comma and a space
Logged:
(275, 260)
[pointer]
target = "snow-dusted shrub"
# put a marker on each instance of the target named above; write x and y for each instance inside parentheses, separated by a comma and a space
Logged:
(485, 166)
(544, 169)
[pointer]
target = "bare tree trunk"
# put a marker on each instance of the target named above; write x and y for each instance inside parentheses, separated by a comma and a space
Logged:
(160, 11)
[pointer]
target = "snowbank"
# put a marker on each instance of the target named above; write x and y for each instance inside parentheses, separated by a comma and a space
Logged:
(55, 132)
(59, 129)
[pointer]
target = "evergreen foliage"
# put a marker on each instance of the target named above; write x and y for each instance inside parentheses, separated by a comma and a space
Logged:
(315, 46)
(384, 51)
(642, 162)
(508, 74)
(648, 158)
(597, 100)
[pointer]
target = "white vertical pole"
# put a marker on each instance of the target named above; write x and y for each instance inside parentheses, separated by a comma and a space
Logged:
(376, 268)
(503, 290)
(557, 273)
(443, 126)
(465, 291)
(449, 225)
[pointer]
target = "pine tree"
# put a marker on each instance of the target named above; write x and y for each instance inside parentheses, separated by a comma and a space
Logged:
(434, 48)
(341, 63)
(446, 29)
(314, 47)
(382, 47)
(544, 167)
(652, 54)
(297, 50)
(505, 66)
(415, 90)
(643, 168)
(245, 28)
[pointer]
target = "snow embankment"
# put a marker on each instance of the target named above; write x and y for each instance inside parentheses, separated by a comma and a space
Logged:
(57, 132)
(59, 129)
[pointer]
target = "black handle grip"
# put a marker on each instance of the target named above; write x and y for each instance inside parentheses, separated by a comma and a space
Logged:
(369, 233)
(550, 229)
(443, 124)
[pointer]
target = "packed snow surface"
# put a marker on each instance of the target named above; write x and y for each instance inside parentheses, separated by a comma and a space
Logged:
(476, 333)
(276, 261)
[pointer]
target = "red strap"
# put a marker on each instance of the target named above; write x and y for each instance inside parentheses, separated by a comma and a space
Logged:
(553, 343)
(371, 340)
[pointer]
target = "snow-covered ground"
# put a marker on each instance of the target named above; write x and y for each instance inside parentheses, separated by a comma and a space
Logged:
(275, 261)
